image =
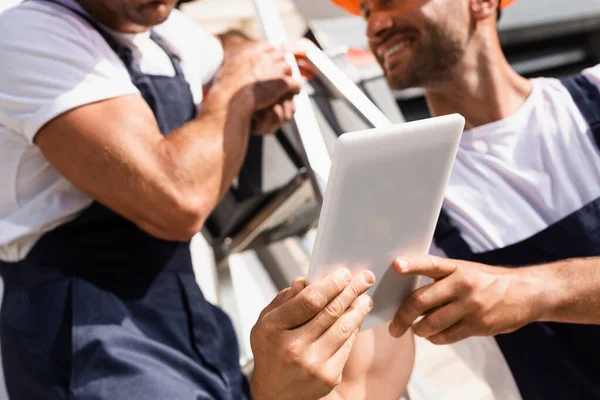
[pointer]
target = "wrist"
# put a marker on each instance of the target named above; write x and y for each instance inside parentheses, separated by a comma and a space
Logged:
(225, 100)
(543, 292)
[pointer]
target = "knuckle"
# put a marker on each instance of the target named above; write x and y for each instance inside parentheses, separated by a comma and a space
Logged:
(263, 330)
(419, 300)
(313, 300)
(346, 328)
(255, 336)
(414, 304)
(355, 289)
(335, 308)
(477, 302)
(465, 283)
(327, 379)
(486, 323)
(332, 380)
(432, 324)
(293, 354)
(281, 295)
(311, 369)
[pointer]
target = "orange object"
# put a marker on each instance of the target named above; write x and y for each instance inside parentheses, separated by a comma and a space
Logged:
(353, 6)
(506, 3)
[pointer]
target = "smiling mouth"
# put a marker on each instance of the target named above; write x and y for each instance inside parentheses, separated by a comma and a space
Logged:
(396, 48)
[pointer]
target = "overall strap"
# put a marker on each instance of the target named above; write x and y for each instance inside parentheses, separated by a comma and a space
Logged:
(175, 60)
(587, 98)
(122, 51)
(112, 42)
(448, 238)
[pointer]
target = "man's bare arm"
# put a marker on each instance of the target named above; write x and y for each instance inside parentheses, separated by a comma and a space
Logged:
(471, 299)
(168, 186)
(379, 367)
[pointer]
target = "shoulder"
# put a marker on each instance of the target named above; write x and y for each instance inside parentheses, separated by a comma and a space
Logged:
(52, 61)
(39, 23)
(34, 34)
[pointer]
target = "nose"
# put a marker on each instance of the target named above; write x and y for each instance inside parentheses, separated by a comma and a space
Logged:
(378, 24)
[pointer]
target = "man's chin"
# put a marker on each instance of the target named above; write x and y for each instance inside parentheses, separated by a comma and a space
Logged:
(156, 14)
(396, 82)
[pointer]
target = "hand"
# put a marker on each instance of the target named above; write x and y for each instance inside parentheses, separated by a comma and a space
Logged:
(466, 299)
(269, 120)
(303, 339)
(258, 78)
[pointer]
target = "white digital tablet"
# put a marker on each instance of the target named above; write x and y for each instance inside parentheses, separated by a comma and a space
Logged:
(383, 197)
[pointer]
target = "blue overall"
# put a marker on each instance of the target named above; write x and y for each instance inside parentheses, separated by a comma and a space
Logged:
(99, 309)
(549, 360)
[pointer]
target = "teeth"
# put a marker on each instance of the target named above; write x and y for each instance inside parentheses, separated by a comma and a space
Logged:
(396, 48)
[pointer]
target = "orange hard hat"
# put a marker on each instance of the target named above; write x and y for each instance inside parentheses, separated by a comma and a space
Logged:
(353, 6)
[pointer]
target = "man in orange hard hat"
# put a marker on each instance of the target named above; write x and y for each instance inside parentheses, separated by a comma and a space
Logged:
(525, 190)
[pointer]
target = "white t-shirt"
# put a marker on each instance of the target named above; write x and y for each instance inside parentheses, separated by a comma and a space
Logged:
(54, 61)
(512, 179)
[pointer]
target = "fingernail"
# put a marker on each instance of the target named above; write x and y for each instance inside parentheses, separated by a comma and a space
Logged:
(346, 274)
(299, 282)
(401, 264)
(366, 301)
(368, 277)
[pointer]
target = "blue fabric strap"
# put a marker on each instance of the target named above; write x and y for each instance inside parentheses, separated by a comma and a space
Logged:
(448, 238)
(587, 98)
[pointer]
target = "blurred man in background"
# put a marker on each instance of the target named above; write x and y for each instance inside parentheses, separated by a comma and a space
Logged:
(525, 191)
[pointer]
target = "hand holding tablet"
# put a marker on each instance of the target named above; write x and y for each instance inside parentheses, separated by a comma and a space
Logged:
(382, 201)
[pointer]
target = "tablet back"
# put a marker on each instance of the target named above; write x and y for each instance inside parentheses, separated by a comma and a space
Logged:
(382, 201)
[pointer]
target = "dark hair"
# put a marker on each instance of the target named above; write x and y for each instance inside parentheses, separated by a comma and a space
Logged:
(499, 13)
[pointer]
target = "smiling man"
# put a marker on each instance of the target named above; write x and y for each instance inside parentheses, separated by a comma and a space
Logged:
(525, 191)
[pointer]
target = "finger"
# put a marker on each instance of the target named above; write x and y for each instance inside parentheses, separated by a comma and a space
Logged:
(310, 301)
(274, 118)
(455, 333)
(279, 113)
(276, 302)
(289, 108)
(285, 295)
(338, 334)
(297, 286)
(264, 47)
(440, 320)
(431, 266)
(336, 364)
(264, 121)
(337, 307)
(299, 47)
(270, 92)
(421, 302)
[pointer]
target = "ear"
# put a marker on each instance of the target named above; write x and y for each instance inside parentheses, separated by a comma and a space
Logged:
(483, 9)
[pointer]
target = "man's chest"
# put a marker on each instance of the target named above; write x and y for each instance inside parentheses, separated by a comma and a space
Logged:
(507, 194)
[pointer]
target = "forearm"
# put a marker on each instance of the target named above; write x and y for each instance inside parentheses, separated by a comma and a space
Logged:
(234, 41)
(379, 367)
(203, 157)
(569, 291)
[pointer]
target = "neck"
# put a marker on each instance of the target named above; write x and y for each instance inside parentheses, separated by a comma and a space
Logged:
(484, 88)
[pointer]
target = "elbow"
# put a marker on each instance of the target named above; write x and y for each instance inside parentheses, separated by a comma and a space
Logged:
(179, 220)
